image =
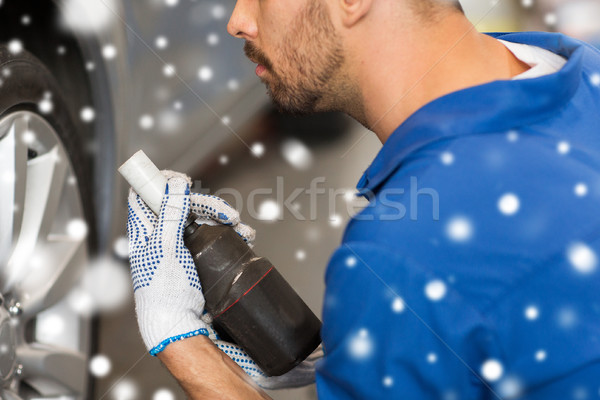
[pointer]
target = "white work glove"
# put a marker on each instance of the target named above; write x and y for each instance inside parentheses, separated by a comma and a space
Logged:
(168, 296)
(214, 210)
(167, 291)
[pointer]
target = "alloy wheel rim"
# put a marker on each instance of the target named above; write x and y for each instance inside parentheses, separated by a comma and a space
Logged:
(43, 251)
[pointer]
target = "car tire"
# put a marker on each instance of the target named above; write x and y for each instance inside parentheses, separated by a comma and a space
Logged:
(39, 265)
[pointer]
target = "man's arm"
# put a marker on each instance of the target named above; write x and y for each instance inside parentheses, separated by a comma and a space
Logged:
(205, 372)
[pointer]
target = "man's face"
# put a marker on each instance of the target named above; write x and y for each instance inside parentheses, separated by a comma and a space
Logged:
(301, 58)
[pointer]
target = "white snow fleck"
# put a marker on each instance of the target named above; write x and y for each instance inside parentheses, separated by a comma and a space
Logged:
(87, 114)
(532, 313)
(218, 11)
(387, 381)
(492, 370)
(595, 79)
(580, 393)
(125, 389)
(582, 257)
(163, 394)
(435, 290)
(212, 39)
(550, 19)
(233, 85)
(108, 284)
(15, 46)
(81, 301)
(169, 70)
(223, 159)
(50, 326)
(566, 317)
(88, 16)
(450, 395)
(335, 220)
(45, 106)
(351, 261)
(90, 66)
(171, 3)
(205, 73)
(77, 228)
(300, 255)
(269, 210)
(109, 51)
(510, 387)
(26, 20)
(512, 136)
(361, 345)
(178, 105)
(121, 247)
(296, 154)
(169, 120)
(527, 3)
(226, 120)
(459, 229)
(540, 355)
(28, 137)
(100, 366)
(509, 204)
(313, 234)
(161, 42)
(447, 158)
(398, 305)
(330, 301)
(432, 358)
(580, 189)
(350, 195)
(563, 147)
(146, 122)
(257, 149)
(62, 50)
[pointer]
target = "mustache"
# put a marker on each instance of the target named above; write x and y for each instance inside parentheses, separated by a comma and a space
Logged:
(253, 53)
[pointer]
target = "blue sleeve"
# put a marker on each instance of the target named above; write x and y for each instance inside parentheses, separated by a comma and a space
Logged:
(391, 328)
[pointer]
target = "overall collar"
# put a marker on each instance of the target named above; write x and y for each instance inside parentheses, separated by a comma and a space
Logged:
(497, 106)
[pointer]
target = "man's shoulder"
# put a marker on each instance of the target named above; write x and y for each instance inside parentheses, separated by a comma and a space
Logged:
(496, 178)
(484, 210)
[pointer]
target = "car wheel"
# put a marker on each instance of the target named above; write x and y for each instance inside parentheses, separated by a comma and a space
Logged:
(46, 225)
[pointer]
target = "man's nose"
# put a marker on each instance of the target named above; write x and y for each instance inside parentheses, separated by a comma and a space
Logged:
(242, 23)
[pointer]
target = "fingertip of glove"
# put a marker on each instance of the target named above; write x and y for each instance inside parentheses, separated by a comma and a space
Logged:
(169, 174)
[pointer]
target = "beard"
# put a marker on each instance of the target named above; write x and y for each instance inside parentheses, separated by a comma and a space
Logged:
(309, 57)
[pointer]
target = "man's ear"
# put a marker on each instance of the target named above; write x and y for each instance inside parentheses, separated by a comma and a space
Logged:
(352, 11)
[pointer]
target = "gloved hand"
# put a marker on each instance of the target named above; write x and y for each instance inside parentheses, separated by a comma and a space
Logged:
(214, 210)
(168, 295)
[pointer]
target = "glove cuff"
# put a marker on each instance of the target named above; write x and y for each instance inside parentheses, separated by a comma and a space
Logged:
(161, 346)
(160, 326)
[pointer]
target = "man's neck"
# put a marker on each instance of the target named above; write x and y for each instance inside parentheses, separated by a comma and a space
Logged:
(407, 72)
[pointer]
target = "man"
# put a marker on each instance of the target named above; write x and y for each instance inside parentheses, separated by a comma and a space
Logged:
(473, 273)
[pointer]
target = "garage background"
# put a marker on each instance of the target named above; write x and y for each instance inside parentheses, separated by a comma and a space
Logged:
(168, 79)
